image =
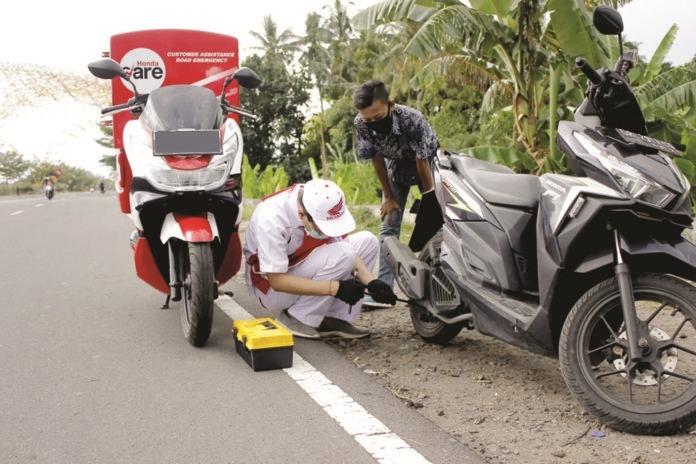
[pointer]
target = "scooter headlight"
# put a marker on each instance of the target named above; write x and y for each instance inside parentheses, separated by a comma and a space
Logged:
(631, 180)
(206, 178)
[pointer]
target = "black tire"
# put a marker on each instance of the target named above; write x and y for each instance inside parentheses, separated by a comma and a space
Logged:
(581, 371)
(427, 326)
(198, 292)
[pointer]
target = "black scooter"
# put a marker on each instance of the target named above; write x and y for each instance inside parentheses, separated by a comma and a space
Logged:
(592, 268)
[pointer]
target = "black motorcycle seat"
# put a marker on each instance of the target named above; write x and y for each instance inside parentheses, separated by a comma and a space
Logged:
(498, 184)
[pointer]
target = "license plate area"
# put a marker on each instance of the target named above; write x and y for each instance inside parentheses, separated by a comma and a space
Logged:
(186, 143)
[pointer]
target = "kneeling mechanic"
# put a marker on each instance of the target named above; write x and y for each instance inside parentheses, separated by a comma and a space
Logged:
(303, 266)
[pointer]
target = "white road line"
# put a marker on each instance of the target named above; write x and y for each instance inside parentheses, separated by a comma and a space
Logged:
(375, 437)
(38, 205)
(17, 212)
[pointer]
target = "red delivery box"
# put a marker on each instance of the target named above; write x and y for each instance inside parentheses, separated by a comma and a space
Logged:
(156, 58)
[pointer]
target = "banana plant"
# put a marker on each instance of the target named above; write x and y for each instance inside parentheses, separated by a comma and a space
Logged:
(494, 41)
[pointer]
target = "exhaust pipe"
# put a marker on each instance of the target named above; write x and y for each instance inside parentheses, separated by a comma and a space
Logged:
(410, 272)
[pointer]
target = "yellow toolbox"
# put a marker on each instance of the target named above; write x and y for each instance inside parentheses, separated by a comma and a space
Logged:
(263, 343)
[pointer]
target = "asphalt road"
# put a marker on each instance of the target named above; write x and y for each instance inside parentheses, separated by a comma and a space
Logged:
(92, 371)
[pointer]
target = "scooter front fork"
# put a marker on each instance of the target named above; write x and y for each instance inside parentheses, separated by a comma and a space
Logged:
(174, 278)
(637, 342)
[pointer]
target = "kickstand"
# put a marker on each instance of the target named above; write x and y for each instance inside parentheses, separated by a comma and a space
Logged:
(166, 303)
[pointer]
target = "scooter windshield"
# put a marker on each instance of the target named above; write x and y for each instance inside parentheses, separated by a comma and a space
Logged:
(181, 107)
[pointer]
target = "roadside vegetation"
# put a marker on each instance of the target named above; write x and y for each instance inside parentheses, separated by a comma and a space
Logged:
(493, 77)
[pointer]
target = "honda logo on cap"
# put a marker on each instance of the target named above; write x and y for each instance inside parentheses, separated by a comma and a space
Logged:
(336, 211)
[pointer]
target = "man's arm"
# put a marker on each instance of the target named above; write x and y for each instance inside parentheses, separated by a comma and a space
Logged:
(389, 203)
(381, 170)
(425, 174)
(288, 283)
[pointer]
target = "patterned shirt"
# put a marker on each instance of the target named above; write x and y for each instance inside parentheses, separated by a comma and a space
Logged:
(411, 137)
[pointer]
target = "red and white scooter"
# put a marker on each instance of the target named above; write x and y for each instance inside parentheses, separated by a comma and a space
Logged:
(185, 158)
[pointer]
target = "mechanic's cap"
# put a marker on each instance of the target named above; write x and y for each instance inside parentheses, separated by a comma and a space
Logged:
(326, 203)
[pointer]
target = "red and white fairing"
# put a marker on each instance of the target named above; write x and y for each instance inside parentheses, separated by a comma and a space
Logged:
(156, 58)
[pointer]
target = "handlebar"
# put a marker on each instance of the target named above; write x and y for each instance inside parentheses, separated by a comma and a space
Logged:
(239, 111)
(587, 70)
(116, 107)
(132, 103)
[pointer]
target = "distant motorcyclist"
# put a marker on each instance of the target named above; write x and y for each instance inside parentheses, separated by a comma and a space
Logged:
(48, 187)
(102, 188)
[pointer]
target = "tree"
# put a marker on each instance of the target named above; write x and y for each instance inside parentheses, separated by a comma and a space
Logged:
(316, 60)
(276, 136)
(12, 166)
(273, 44)
(107, 140)
(108, 161)
(71, 178)
(338, 31)
(27, 85)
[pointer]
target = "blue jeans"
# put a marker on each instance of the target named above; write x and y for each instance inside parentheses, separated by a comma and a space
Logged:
(400, 194)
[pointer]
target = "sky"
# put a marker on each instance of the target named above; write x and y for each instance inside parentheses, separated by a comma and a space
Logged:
(69, 34)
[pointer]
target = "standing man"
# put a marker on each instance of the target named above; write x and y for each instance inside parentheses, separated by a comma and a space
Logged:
(401, 145)
(303, 266)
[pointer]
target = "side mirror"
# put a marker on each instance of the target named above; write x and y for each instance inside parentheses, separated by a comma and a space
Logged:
(607, 20)
(106, 69)
(247, 78)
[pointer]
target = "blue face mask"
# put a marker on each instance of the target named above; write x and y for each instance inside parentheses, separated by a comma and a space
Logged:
(316, 234)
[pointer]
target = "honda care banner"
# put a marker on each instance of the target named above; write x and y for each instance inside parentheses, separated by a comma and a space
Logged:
(162, 57)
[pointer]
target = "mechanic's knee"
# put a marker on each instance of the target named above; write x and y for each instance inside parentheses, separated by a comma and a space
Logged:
(343, 255)
(366, 243)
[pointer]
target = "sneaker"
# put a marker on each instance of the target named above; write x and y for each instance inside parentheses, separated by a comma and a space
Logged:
(331, 327)
(296, 327)
(369, 304)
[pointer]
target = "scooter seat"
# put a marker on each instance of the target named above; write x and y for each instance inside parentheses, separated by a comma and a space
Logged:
(498, 184)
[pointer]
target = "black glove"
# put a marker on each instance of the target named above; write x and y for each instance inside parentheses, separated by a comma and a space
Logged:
(381, 292)
(350, 291)
(428, 221)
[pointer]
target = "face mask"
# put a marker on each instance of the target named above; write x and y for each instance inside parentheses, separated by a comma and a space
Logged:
(316, 234)
(381, 126)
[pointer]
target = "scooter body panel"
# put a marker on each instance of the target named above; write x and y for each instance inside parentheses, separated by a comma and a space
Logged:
(195, 228)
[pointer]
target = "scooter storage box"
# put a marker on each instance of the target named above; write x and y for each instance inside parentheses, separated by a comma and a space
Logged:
(263, 343)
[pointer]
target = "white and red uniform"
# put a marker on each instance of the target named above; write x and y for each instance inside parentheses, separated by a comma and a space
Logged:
(276, 242)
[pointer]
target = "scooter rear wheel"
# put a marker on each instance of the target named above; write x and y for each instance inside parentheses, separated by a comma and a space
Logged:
(655, 395)
(430, 328)
(198, 294)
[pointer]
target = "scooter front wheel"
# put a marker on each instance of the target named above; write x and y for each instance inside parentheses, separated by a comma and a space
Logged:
(653, 395)
(198, 294)
(430, 328)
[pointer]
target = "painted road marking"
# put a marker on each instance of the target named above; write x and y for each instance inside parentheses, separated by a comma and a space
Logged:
(17, 212)
(38, 205)
(370, 433)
